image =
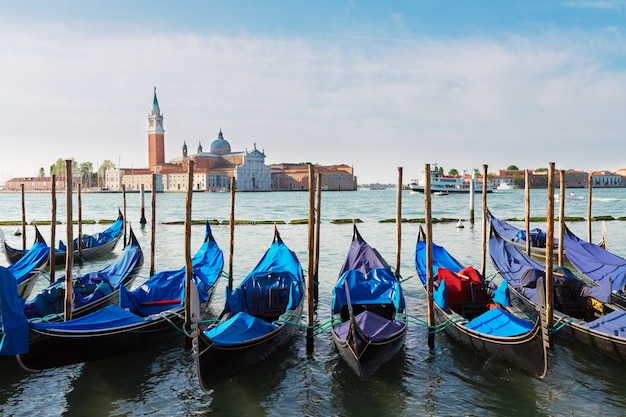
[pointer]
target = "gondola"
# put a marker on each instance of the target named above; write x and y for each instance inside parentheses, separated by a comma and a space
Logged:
(144, 316)
(27, 269)
(368, 309)
(581, 312)
(257, 320)
(596, 264)
(92, 290)
(473, 312)
(517, 237)
(92, 246)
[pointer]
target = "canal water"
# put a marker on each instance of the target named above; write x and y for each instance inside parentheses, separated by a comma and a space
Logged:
(448, 380)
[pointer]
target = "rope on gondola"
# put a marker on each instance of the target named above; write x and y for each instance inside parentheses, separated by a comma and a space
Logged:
(455, 318)
(560, 324)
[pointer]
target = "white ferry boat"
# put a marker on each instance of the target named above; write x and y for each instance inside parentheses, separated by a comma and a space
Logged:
(448, 183)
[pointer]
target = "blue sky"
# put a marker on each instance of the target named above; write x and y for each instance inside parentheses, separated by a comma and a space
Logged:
(374, 84)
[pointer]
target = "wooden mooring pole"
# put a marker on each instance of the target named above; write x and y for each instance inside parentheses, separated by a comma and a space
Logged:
(399, 221)
(189, 267)
(231, 228)
(23, 218)
(310, 279)
(53, 226)
(430, 311)
(483, 263)
(69, 251)
(561, 215)
(152, 225)
(550, 246)
(142, 220)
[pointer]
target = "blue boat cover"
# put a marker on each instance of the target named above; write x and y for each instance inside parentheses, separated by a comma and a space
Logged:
(34, 258)
(521, 270)
(379, 286)
(276, 283)
(499, 322)
(613, 323)
(87, 287)
(441, 259)
(362, 257)
(105, 318)
(166, 289)
(369, 278)
(238, 329)
(279, 272)
(512, 233)
(595, 262)
(14, 324)
(100, 238)
(377, 328)
(163, 291)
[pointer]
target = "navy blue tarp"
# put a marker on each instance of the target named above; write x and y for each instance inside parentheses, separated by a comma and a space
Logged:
(14, 324)
(377, 328)
(595, 262)
(34, 258)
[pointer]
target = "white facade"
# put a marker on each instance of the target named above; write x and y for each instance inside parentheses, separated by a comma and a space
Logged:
(253, 174)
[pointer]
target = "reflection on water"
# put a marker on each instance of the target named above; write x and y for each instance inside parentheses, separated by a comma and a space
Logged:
(448, 380)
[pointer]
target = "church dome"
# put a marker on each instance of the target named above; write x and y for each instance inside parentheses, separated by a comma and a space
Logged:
(220, 146)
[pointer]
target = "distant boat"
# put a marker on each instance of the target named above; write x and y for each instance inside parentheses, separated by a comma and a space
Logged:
(448, 183)
(441, 193)
(573, 196)
(504, 187)
(378, 187)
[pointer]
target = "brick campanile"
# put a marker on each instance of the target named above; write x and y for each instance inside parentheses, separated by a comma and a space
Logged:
(156, 135)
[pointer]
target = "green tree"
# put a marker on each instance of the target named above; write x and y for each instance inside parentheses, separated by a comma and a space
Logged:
(102, 170)
(512, 168)
(440, 171)
(453, 172)
(85, 169)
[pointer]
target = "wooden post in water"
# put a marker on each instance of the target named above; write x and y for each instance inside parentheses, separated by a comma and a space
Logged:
(189, 267)
(471, 199)
(152, 225)
(484, 240)
(125, 221)
(430, 311)
(527, 209)
(80, 223)
(316, 244)
(142, 220)
(310, 282)
(589, 192)
(550, 246)
(561, 215)
(69, 252)
(53, 226)
(231, 225)
(399, 221)
(23, 218)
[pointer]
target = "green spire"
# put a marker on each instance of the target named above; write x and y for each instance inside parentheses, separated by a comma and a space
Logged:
(155, 103)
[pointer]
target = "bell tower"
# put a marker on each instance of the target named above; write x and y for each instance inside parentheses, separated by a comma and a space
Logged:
(156, 135)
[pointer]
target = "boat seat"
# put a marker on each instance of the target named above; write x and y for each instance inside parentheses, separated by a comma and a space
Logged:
(271, 305)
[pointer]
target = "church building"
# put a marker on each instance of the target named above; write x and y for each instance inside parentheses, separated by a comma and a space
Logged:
(214, 169)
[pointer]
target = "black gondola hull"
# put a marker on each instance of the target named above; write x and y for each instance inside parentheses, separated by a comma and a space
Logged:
(216, 363)
(365, 358)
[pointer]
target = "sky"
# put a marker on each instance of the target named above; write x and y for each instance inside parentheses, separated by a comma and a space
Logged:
(373, 84)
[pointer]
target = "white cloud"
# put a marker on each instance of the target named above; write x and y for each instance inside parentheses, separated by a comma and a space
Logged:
(374, 105)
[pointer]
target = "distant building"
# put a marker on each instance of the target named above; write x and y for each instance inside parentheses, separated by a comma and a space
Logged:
(214, 169)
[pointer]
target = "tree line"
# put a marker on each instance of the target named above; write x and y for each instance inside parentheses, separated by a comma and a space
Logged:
(84, 171)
